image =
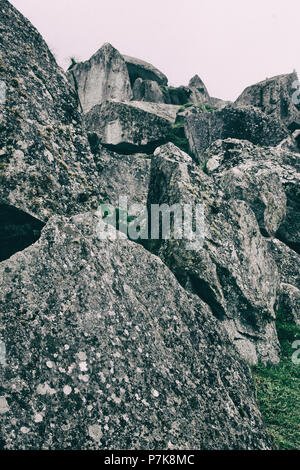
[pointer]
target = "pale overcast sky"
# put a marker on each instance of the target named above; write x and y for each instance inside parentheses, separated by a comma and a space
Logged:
(229, 43)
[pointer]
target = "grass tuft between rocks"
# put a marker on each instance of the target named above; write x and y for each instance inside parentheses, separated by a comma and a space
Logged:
(278, 390)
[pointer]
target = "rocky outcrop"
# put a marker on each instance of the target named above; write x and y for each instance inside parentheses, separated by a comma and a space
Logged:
(147, 90)
(105, 344)
(46, 166)
(288, 262)
(140, 69)
(268, 180)
(218, 103)
(195, 93)
(86, 371)
(243, 122)
(199, 93)
(103, 77)
(178, 95)
(126, 128)
(123, 175)
(289, 230)
(247, 173)
(232, 271)
(273, 173)
(276, 97)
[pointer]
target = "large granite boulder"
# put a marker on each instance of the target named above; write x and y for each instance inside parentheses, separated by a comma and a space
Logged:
(147, 90)
(277, 96)
(103, 77)
(126, 128)
(46, 166)
(232, 269)
(96, 359)
(140, 69)
(243, 122)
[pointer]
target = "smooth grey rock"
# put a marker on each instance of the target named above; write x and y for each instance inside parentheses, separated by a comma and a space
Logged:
(46, 166)
(140, 69)
(96, 359)
(147, 90)
(243, 122)
(103, 77)
(274, 96)
(126, 128)
(233, 272)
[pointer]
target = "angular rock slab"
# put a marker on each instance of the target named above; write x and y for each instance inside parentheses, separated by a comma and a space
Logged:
(103, 77)
(126, 128)
(123, 175)
(277, 96)
(163, 110)
(233, 272)
(140, 69)
(96, 359)
(46, 166)
(249, 123)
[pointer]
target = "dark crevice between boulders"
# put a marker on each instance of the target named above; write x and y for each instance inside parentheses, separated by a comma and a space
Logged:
(76, 91)
(203, 290)
(124, 148)
(18, 230)
(295, 246)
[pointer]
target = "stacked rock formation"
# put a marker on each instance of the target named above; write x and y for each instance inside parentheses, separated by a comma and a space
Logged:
(120, 344)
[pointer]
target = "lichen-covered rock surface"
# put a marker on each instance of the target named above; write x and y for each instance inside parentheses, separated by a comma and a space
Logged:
(243, 122)
(106, 351)
(46, 166)
(126, 128)
(115, 341)
(233, 270)
(277, 96)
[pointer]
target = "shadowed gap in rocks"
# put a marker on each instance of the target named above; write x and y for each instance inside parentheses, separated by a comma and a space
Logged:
(18, 230)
